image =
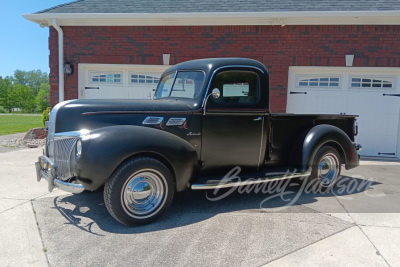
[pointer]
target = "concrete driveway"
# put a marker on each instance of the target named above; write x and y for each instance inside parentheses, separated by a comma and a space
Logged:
(357, 224)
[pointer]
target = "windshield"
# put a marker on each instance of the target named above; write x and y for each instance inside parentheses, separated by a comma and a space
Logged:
(184, 84)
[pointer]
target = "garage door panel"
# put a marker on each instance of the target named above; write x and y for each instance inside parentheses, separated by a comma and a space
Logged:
(324, 103)
(378, 122)
(321, 103)
(109, 81)
(104, 92)
(298, 102)
(140, 92)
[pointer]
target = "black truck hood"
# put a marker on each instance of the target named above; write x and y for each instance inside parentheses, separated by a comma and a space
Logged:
(168, 105)
(91, 114)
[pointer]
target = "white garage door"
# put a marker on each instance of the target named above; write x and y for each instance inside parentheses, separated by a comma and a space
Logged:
(110, 81)
(371, 93)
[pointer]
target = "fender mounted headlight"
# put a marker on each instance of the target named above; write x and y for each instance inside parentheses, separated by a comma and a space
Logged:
(78, 149)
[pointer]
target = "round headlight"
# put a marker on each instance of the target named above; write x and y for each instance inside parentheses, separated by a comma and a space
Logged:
(78, 148)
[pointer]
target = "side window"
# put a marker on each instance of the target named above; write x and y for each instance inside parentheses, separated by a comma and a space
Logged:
(236, 87)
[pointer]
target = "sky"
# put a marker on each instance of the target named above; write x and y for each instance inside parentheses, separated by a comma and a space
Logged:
(23, 44)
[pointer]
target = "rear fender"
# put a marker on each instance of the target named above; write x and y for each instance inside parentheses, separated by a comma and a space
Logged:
(325, 134)
(108, 147)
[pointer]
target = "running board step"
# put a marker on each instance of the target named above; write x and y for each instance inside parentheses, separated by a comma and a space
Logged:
(214, 184)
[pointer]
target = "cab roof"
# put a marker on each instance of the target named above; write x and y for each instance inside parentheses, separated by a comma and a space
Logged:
(209, 65)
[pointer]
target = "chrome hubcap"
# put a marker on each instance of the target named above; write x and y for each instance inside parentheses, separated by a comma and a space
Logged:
(328, 169)
(143, 193)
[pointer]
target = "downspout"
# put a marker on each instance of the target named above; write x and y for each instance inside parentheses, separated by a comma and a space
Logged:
(60, 60)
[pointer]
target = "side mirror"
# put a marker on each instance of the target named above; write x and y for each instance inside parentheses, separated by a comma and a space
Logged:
(216, 93)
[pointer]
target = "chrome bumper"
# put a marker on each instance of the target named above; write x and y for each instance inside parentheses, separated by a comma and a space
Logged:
(50, 175)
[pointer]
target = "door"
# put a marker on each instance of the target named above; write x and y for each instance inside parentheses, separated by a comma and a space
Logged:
(109, 81)
(233, 123)
(370, 93)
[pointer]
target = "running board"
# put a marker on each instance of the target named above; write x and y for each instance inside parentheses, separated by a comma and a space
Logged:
(215, 184)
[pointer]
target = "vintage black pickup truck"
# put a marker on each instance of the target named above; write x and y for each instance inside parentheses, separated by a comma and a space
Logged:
(207, 117)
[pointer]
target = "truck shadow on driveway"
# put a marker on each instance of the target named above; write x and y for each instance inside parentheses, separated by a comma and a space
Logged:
(191, 207)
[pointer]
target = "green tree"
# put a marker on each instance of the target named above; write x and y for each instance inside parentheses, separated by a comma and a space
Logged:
(22, 97)
(5, 88)
(42, 100)
(34, 79)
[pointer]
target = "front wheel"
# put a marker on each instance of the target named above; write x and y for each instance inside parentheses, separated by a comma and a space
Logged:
(139, 191)
(325, 167)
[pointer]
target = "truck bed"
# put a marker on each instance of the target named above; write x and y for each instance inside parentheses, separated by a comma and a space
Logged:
(287, 129)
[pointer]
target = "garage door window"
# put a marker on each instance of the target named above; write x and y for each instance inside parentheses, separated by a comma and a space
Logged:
(106, 78)
(359, 82)
(143, 79)
(318, 82)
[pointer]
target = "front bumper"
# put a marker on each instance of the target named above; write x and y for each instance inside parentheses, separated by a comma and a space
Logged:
(50, 175)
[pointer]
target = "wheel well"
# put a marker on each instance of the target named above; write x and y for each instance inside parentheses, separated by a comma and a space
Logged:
(153, 155)
(339, 149)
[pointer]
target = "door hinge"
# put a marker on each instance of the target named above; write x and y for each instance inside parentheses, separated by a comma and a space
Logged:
(398, 95)
(297, 93)
(389, 154)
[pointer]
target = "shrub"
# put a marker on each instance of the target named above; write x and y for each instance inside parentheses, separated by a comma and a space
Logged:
(45, 115)
(3, 110)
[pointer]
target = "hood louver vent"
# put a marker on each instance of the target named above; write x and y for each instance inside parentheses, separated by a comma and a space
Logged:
(153, 120)
(176, 121)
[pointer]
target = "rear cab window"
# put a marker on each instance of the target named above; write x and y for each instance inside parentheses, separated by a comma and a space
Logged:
(237, 88)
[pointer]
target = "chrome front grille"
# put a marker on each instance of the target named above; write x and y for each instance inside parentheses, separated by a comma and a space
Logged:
(59, 146)
(63, 148)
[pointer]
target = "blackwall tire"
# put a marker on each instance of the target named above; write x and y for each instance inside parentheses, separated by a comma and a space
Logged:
(326, 168)
(139, 191)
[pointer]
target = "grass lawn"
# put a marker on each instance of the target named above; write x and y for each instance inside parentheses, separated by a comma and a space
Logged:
(19, 123)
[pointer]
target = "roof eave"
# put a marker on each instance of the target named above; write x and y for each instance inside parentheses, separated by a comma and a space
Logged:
(220, 18)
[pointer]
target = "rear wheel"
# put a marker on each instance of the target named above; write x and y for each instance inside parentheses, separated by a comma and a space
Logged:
(139, 191)
(325, 167)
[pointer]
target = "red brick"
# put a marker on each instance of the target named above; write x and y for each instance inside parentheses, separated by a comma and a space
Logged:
(277, 47)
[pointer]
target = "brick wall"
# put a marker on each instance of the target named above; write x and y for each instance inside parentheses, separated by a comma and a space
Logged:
(277, 47)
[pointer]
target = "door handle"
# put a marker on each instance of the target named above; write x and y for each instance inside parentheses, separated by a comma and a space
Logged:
(258, 119)
(92, 87)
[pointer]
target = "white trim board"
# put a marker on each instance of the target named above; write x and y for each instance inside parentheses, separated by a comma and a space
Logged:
(220, 18)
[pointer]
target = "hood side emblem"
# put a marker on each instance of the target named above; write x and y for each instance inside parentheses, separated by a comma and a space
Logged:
(153, 120)
(176, 121)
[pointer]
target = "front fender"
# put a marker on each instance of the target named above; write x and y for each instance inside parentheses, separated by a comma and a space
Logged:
(108, 147)
(324, 134)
